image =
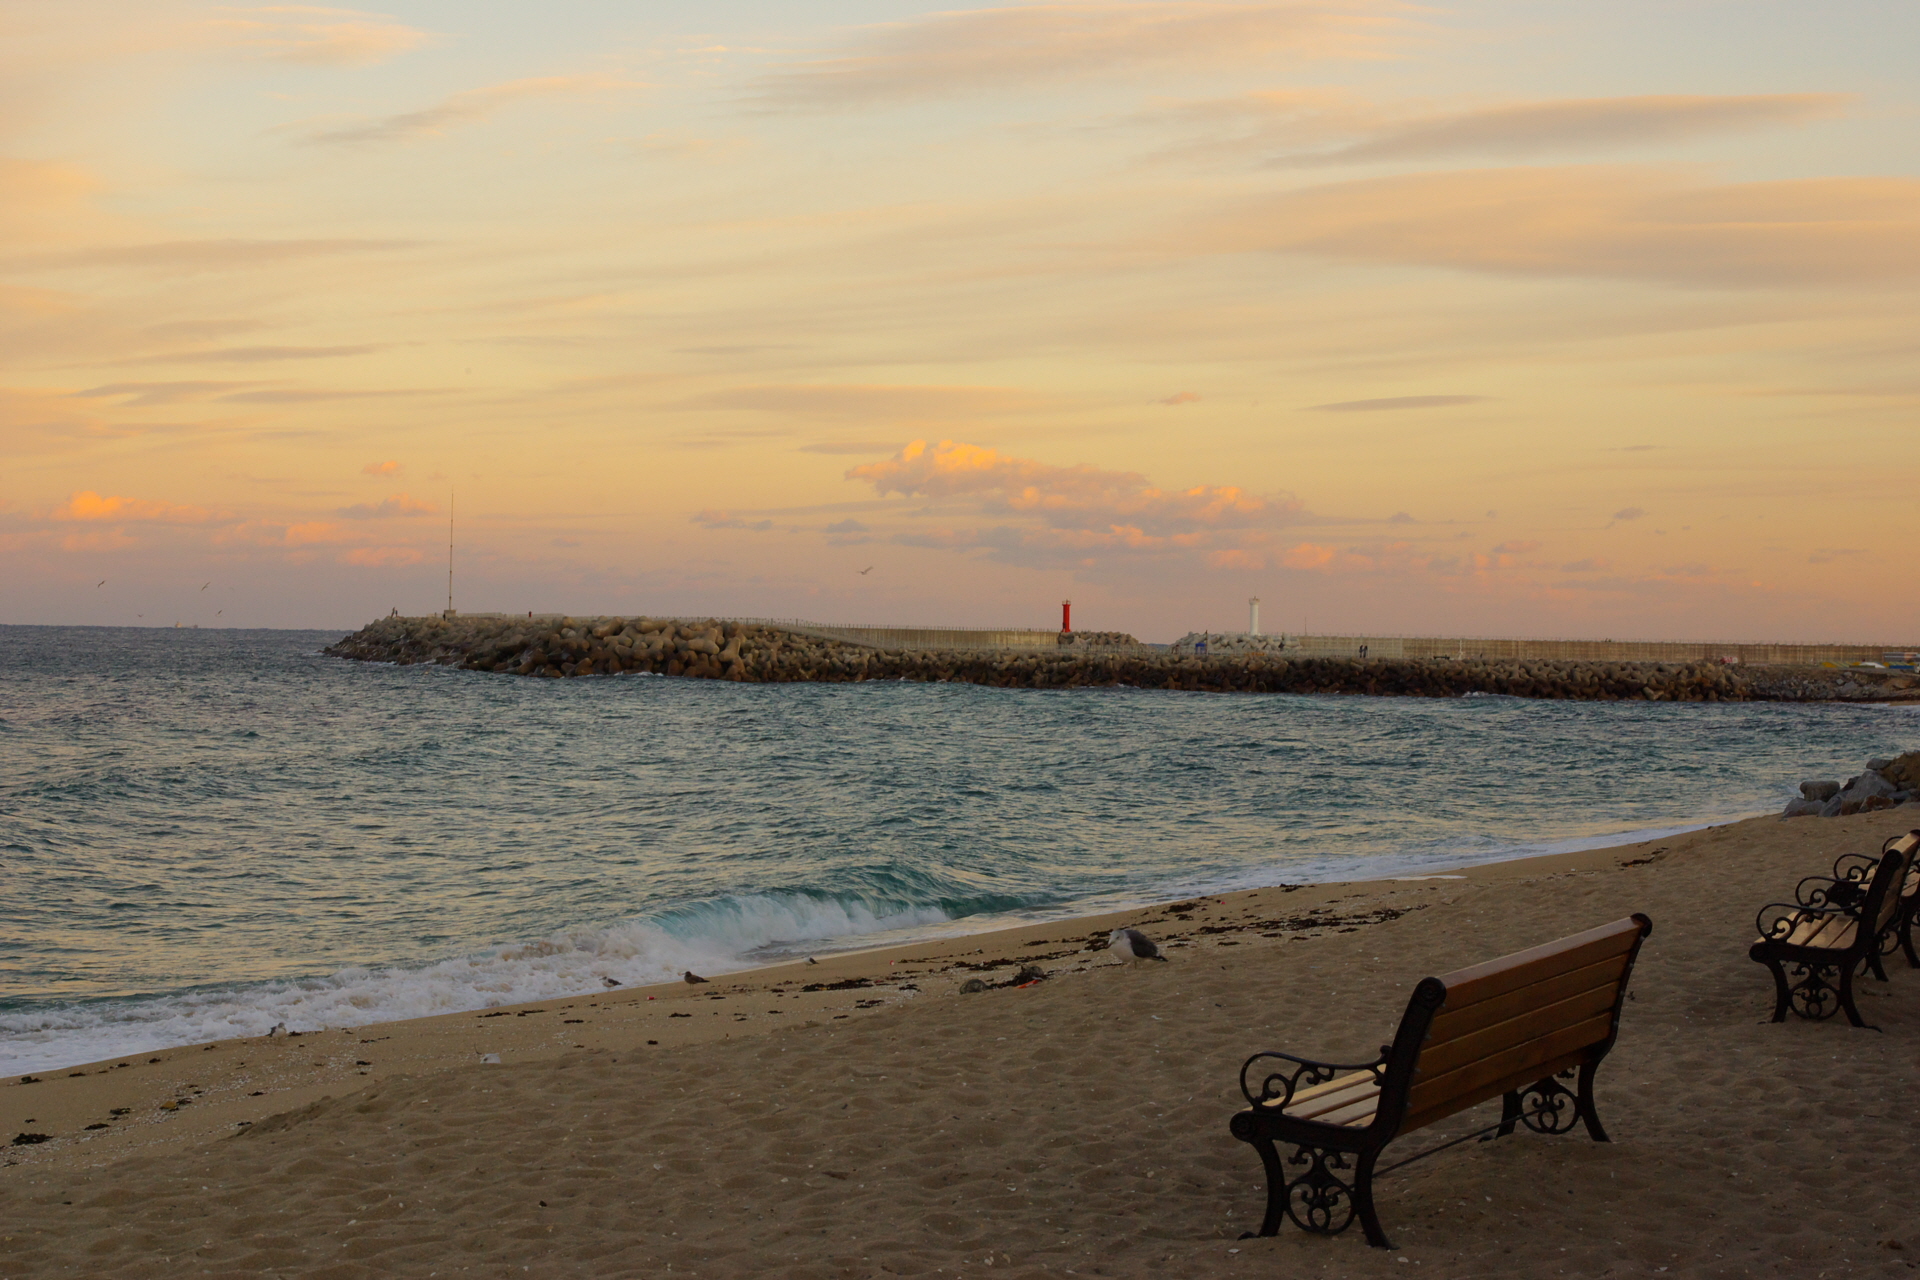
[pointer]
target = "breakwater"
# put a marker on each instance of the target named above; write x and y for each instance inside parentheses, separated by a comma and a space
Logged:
(769, 654)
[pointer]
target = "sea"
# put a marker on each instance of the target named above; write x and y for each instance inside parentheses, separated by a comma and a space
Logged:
(204, 833)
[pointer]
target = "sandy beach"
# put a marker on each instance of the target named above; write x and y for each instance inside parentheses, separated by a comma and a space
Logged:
(863, 1116)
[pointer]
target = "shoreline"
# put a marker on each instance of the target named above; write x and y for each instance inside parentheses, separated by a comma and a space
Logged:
(886, 1123)
(929, 967)
(949, 933)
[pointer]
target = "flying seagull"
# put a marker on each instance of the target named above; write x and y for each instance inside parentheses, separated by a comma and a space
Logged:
(1131, 945)
(208, 585)
(100, 584)
(864, 572)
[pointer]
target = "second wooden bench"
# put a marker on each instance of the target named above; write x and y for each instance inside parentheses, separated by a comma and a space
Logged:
(1507, 1029)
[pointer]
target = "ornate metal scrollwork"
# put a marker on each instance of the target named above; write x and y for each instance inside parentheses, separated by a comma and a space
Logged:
(1319, 1200)
(1830, 893)
(1280, 1085)
(1549, 1107)
(1815, 991)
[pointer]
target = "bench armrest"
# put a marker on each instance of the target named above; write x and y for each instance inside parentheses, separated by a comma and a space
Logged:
(1280, 1084)
(1778, 919)
(1857, 867)
(1822, 892)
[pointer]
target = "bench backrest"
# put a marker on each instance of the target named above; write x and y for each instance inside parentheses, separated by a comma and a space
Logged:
(1479, 1032)
(1883, 893)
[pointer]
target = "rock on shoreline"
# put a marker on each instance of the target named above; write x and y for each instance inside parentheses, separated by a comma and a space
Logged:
(753, 653)
(1883, 784)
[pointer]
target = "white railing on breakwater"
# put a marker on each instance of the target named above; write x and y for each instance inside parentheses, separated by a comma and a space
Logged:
(1500, 649)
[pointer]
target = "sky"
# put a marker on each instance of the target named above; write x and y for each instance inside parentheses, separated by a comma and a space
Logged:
(1534, 319)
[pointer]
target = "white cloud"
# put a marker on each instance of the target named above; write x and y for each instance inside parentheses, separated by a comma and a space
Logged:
(995, 50)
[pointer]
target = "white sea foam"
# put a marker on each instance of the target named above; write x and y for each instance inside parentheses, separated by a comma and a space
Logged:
(715, 937)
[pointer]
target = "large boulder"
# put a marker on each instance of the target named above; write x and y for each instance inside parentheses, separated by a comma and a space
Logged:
(1821, 791)
(1903, 771)
(1803, 808)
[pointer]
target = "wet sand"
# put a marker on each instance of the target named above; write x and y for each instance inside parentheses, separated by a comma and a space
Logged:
(886, 1123)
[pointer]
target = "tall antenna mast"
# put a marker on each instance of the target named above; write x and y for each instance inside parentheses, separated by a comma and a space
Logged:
(449, 552)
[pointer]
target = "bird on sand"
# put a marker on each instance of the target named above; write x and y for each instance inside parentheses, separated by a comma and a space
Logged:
(612, 982)
(692, 977)
(1131, 945)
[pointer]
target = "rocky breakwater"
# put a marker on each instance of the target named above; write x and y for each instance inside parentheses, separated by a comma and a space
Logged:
(1883, 784)
(719, 650)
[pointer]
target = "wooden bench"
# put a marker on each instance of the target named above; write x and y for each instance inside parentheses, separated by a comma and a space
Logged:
(1859, 867)
(1839, 925)
(1509, 1028)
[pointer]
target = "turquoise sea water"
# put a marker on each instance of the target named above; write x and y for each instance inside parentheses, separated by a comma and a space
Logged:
(203, 833)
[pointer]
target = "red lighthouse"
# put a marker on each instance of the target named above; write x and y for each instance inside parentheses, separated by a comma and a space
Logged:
(1066, 616)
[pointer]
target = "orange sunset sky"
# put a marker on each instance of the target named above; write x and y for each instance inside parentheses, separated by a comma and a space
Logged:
(1548, 319)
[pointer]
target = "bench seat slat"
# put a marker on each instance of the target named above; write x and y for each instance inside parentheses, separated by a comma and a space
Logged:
(1339, 1084)
(1827, 931)
(1437, 1060)
(1497, 977)
(1452, 1022)
(1365, 1088)
(1510, 1068)
(1356, 1115)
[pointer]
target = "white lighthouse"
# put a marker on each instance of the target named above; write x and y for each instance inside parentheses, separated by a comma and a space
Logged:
(1253, 616)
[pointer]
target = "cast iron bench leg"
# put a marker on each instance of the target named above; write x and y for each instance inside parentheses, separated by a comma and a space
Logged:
(1587, 1111)
(1906, 939)
(1846, 999)
(1276, 1184)
(1363, 1201)
(1873, 961)
(1509, 1112)
(1782, 993)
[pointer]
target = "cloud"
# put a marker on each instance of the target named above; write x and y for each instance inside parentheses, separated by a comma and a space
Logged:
(261, 355)
(1033, 513)
(1589, 565)
(380, 469)
(847, 526)
(1002, 49)
(851, 446)
(874, 401)
(296, 396)
(315, 36)
(1516, 548)
(1180, 397)
(313, 532)
(726, 520)
(91, 506)
(1394, 402)
(43, 201)
(1618, 222)
(1530, 129)
(1309, 555)
(398, 505)
(146, 393)
(1829, 555)
(219, 255)
(1629, 513)
(460, 108)
(382, 557)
